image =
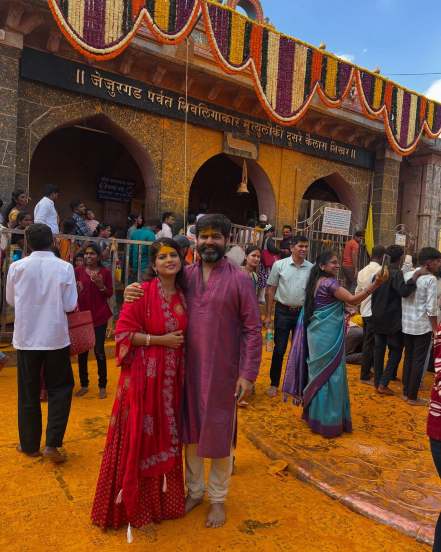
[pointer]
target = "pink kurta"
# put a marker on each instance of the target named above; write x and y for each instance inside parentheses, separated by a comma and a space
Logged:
(223, 341)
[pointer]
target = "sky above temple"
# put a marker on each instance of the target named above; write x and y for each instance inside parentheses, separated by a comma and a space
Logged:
(399, 36)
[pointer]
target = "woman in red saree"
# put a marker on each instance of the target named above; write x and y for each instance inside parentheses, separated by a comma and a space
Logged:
(141, 478)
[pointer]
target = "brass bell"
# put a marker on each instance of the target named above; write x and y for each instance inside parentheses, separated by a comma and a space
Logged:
(243, 186)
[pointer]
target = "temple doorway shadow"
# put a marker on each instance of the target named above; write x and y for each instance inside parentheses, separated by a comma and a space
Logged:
(86, 155)
(333, 191)
(215, 189)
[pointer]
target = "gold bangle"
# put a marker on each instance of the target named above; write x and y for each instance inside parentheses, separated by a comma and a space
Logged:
(147, 340)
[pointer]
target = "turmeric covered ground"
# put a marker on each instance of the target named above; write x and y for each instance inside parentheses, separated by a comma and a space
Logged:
(43, 507)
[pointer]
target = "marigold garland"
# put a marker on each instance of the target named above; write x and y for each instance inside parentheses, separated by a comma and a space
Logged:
(286, 72)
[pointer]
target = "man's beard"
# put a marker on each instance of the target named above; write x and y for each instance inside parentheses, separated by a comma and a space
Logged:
(211, 253)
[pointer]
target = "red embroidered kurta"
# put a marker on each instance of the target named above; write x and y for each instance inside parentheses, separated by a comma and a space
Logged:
(141, 478)
(91, 298)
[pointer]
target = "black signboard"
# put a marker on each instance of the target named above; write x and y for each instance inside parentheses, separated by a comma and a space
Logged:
(114, 189)
(77, 77)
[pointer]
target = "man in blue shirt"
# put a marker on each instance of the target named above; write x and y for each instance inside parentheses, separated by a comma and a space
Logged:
(79, 216)
(286, 286)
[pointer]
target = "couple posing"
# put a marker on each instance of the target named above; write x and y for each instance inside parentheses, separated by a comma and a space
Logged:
(168, 395)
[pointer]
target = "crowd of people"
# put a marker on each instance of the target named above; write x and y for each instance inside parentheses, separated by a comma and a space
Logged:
(185, 368)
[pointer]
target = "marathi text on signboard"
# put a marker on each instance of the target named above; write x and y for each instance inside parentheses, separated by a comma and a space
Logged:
(83, 79)
(114, 189)
(336, 221)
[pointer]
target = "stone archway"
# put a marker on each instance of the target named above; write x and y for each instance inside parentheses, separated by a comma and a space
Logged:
(78, 153)
(214, 187)
(333, 189)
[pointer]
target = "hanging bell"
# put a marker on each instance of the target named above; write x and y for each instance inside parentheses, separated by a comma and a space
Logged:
(243, 186)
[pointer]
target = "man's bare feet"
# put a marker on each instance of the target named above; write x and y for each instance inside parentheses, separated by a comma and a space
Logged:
(191, 503)
(216, 515)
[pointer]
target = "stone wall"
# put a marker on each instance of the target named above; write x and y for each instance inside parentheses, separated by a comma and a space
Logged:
(157, 145)
(385, 196)
(420, 181)
(9, 63)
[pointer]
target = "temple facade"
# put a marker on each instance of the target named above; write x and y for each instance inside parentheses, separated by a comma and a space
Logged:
(163, 128)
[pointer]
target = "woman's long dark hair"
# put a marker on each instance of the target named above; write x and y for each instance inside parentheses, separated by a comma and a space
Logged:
(314, 277)
(150, 274)
(248, 250)
(14, 198)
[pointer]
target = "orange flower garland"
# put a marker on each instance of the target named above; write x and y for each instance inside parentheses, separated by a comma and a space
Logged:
(286, 72)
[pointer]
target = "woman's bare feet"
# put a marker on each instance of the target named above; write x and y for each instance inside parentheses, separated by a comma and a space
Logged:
(191, 503)
(216, 515)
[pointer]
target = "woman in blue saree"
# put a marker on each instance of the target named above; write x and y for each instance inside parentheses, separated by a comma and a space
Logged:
(316, 370)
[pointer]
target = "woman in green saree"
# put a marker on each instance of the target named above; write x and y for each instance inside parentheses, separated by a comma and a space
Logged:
(316, 371)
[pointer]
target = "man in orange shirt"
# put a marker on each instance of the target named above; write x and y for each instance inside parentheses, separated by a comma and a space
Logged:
(350, 261)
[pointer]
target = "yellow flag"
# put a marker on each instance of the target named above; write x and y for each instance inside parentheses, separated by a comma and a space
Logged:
(369, 232)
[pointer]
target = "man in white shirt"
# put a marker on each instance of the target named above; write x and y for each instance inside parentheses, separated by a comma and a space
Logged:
(364, 280)
(45, 212)
(419, 322)
(42, 289)
(168, 219)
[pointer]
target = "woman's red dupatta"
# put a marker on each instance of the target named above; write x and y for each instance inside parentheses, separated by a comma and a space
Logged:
(155, 389)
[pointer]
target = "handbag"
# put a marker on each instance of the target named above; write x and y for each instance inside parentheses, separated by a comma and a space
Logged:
(268, 259)
(81, 332)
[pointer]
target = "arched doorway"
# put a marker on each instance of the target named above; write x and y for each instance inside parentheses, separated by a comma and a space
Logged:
(331, 190)
(215, 186)
(98, 162)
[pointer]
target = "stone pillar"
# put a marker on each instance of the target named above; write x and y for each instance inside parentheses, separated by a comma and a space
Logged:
(10, 52)
(385, 196)
(421, 198)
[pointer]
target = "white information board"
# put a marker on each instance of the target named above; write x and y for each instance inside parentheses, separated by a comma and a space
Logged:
(400, 239)
(336, 221)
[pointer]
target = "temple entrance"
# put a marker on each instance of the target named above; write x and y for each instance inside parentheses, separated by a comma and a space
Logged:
(330, 191)
(91, 160)
(215, 190)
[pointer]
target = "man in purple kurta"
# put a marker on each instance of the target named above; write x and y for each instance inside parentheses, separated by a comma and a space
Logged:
(224, 348)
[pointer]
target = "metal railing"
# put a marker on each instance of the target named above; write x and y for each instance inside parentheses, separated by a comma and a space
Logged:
(122, 253)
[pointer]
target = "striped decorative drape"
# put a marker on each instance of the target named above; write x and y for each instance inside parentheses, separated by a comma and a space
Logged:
(287, 72)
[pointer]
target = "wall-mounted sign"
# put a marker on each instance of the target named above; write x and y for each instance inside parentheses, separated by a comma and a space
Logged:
(400, 239)
(84, 79)
(336, 221)
(240, 148)
(114, 189)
